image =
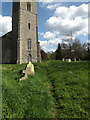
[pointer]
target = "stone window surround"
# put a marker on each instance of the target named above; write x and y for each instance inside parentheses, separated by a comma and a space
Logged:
(29, 46)
(28, 6)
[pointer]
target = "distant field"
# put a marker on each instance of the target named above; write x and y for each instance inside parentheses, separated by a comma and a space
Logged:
(58, 90)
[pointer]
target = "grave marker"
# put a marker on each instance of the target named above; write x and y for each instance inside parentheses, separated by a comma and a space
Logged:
(68, 60)
(63, 59)
(29, 71)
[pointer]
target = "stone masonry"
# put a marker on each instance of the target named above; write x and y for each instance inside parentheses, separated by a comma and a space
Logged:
(24, 35)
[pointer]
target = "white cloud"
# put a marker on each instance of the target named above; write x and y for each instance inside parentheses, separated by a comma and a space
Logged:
(5, 24)
(41, 33)
(51, 42)
(53, 6)
(69, 19)
(45, 45)
(65, 26)
(64, 21)
(49, 4)
(72, 11)
(46, 1)
(49, 35)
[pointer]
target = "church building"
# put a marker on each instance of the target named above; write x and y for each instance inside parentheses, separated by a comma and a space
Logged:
(21, 45)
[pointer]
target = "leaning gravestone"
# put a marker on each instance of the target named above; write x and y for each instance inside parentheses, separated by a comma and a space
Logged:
(29, 71)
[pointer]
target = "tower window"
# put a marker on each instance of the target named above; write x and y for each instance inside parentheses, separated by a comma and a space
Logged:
(29, 44)
(29, 6)
(28, 25)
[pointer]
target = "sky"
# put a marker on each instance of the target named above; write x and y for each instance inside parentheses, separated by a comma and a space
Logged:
(56, 22)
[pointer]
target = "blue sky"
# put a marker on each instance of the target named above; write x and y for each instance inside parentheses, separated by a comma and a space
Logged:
(49, 15)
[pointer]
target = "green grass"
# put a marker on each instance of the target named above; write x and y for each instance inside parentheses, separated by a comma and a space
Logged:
(26, 99)
(58, 90)
(70, 88)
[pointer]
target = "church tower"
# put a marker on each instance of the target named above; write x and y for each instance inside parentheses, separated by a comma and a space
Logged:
(25, 32)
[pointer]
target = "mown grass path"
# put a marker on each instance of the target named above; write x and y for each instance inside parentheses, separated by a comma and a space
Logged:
(58, 90)
(50, 86)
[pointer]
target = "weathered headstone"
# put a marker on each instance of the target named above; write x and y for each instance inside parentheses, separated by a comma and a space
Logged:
(29, 71)
(68, 60)
(63, 59)
(75, 59)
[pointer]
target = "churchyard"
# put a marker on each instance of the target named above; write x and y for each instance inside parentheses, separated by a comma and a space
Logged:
(57, 90)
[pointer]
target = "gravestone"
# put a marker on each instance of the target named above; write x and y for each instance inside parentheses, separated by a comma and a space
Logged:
(75, 59)
(63, 59)
(29, 71)
(68, 60)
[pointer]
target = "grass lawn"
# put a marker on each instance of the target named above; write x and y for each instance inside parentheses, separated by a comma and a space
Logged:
(58, 90)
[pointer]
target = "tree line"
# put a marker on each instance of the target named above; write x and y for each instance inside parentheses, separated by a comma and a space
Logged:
(72, 50)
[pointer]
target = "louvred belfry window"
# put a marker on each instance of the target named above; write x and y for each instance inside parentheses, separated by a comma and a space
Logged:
(29, 44)
(29, 6)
